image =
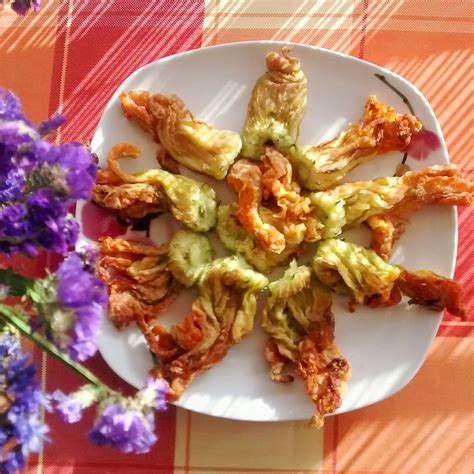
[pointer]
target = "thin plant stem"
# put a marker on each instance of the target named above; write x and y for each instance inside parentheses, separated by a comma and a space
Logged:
(17, 319)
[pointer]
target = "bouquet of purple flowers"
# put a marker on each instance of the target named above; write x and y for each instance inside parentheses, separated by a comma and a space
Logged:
(40, 182)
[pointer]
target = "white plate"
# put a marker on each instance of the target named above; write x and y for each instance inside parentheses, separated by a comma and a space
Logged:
(385, 347)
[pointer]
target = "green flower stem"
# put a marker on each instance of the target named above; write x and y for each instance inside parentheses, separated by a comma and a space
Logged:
(17, 319)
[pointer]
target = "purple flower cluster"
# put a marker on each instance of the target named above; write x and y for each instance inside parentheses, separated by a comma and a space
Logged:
(39, 182)
(22, 7)
(21, 429)
(70, 303)
(128, 424)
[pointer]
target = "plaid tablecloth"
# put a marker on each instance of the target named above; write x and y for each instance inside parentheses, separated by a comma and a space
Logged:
(74, 53)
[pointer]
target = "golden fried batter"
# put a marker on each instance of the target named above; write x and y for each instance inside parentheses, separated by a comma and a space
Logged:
(443, 185)
(380, 131)
(276, 107)
(271, 206)
(221, 316)
(115, 191)
(135, 195)
(323, 369)
(299, 320)
(191, 142)
(137, 278)
(135, 107)
(429, 289)
(246, 179)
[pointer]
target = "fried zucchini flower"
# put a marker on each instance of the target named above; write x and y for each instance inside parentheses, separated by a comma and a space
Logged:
(393, 197)
(138, 280)
(354, 270)
(353, 203)
(188, 254)
(276, 107)
(191, 142)
(362, 274)
(221, 316)
(134, 196)
(299, 320)
(270, 205)
(236, 238)
(426, 288)
(381, 130)
(442, 185)
(245, 178)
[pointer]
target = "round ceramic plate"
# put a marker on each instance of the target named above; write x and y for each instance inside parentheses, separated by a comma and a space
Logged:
(385, 347)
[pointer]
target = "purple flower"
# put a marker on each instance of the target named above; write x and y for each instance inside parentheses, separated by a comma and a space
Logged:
(127, 430)
(21, 429)
(11, 188)
(70, 303)
(21, 7)
(10, 106)
(128, 424)
(42, 179)
(46, 127)
(70, 407)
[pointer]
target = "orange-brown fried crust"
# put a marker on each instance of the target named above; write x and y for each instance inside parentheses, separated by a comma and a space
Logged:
(202, 338)
(391, 131)
(277, 362)
(167, 162)
(137, 279)
(438, 185)
(271, 206)
(282, 192)
(130, 201)
(320, 363)
(323, 370)
(115, 192)
(386, 230)
(245, 178)
(443, 185)
(135, 107)
(436, 292)
(380, 131)
(185, 359)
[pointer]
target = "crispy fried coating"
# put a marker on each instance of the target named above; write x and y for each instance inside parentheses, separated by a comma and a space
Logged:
(361, 273)
(167, 162)
(135, 107)
(271, 207)
(442, 185)
(276, 107)
(391, 200)
(323, 369)
(282, 193)
(137, 278)
(153, 191)
(191, 142)
(130, 201)
(245, 178)
(221, 316)
(380, 131)
(299, 320)
(237, 239)
(426, 288)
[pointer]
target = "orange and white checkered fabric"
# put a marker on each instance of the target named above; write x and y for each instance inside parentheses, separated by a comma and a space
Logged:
(74, 53)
